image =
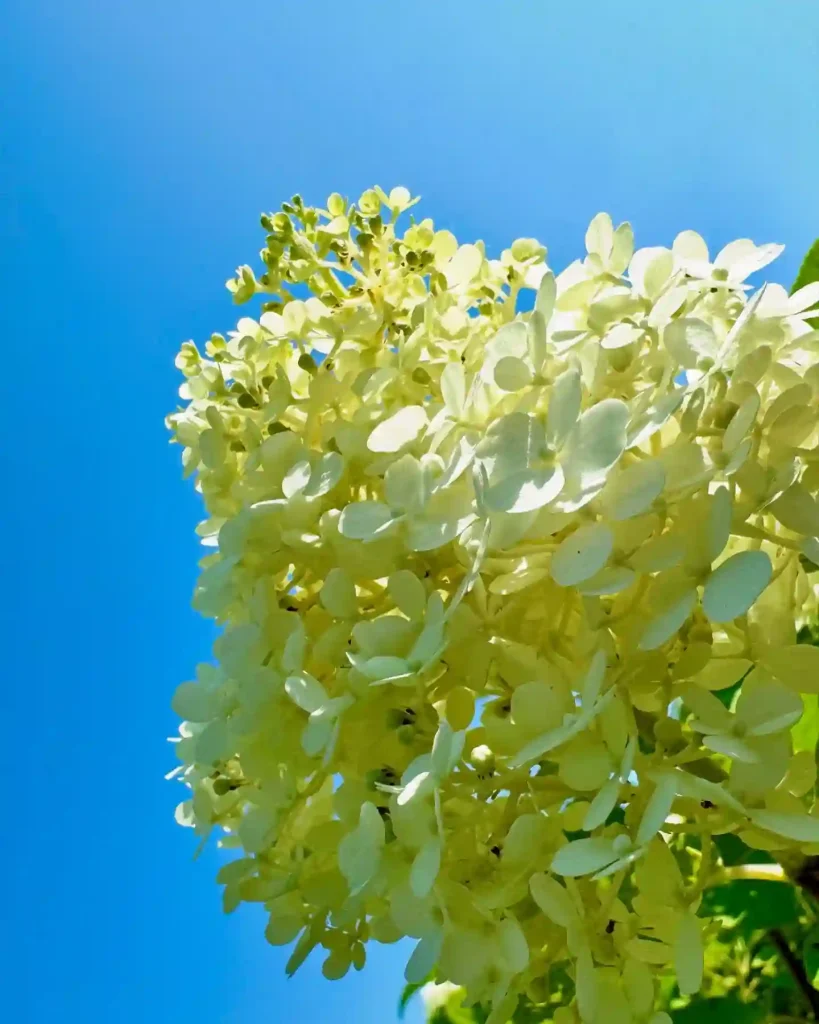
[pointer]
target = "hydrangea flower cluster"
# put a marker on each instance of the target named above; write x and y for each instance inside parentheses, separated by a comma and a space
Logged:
(509, 598)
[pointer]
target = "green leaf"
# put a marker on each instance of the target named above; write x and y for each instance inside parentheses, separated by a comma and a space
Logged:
(407, 994)
(445, 1015)
(806, 731)
(808, 273)
(453, 1013)
(530, 1013)
(810, 955)
(755, 905)
(728, 1010)
(726, 696)
(733, 851)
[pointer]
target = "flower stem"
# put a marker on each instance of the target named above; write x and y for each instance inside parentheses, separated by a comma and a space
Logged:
(750, 872)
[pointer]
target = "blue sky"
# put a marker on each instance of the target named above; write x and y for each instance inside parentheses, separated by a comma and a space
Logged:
(139, 141)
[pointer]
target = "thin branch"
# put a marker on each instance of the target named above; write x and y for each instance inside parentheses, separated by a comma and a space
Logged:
(794, 965)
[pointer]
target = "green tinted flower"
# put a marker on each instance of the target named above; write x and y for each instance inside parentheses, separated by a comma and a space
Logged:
(479, 573)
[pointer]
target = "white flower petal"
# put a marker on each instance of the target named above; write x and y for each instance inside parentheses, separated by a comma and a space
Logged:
(796, 665)
(305, 692)
(400, 429)
(602, 805)
(325, 475)
(650, 269)
(195, 703)
(459, 460)
(430, 534)
(514, 948)
(453, 388)
(621, 335)
(596, 442)
(622, 248)
(446, 749)
(423, 959)
(618, 865)
(797, 510)
(742, 258)
(638, 984)
(384, 667)
(404, 483)
(363, 520)
(701, 789)
(665, 624)
(537, 339)
(592, 682)
(741, 422)
(526, 491)
(296, 479)
(600, 237)
(546, 294)
(418, 787)
(316, 735)
(804, 298)
(739, 456)
(611, 580)
(732, 747)
(425, 867)
(586, 987)
(211, 744)
(408, 593)
(719, 523)
(688, 340)
(464, 266)
(768, 707)
(538, 706)
(690, 247)
(512, 374)
(547, 741)
(359, 852)
(708, 708)
(338, 594)
(565, 399)
(644, 425)
(510, 340)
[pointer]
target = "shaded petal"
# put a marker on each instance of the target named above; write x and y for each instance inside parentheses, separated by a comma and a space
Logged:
(582, 554)
(526, 491)
(633, 490)
(363, 520)
(657, 809)
(734, 586)
(688, 954)
(583, 857)
(552, 898)
(800, 827)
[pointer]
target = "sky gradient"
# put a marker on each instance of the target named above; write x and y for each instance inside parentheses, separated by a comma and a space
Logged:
(140, 141)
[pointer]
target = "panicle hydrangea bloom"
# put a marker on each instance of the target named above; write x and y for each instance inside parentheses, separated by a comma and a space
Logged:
(509, 600)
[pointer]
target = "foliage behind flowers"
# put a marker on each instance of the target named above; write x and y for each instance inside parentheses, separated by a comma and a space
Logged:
(510, 603)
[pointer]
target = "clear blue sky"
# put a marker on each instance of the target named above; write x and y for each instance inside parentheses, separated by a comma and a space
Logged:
(139, 141)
